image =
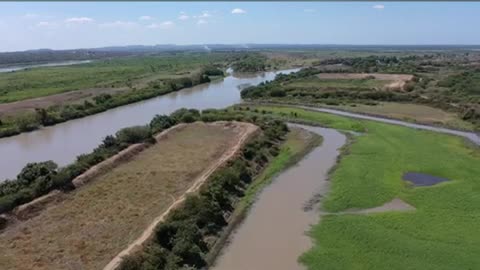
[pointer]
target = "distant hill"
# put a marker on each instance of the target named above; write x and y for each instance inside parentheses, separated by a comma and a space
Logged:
(48, 55)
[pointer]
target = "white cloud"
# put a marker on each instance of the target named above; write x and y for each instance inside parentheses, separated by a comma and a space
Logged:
(378, 7)
(205, 14)
(162, 25)
(309, 10)
(145, 18)
(30, 16)
(201, 21)
(119, 24)
(79, 20)
(46, 24)
(183, 17)
(238, 11)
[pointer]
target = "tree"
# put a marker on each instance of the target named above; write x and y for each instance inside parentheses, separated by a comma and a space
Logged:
(33, 171)
(109, 141)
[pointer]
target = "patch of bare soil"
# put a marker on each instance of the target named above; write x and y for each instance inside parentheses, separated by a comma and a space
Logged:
(397, 81)
(62, 98)
(393, 205)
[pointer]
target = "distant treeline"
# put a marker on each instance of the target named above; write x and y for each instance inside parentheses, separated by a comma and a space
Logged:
(62, 113)
(190, 232)
(46, 56)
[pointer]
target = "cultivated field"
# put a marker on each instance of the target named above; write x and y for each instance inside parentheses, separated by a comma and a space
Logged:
(93, 224)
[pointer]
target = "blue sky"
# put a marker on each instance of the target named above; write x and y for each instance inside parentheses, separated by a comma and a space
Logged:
(57, 25)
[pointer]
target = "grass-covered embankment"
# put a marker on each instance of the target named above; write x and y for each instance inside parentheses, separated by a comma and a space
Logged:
(442, 233)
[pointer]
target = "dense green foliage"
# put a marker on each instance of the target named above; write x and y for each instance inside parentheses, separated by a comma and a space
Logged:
(465, 85)
(185, 238)
(253, 62)
(444, 224)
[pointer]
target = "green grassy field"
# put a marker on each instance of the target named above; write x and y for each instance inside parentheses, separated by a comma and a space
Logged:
(110, 73)
(442, 233)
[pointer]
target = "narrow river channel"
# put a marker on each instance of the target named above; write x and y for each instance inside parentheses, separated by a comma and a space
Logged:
(272, 236)
(473, 137)
(53, 64)
(63, 142)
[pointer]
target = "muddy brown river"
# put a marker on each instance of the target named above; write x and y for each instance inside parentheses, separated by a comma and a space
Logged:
(62, 143)
(272, 236)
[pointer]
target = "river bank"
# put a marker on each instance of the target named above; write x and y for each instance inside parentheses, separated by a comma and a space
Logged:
(278, 219)
(63, 142)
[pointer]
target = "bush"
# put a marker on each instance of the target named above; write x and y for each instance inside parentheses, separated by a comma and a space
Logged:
(212, 71)
(161, 122)
(278, 93)
(136, 134)
(3, 223)
(184, 115)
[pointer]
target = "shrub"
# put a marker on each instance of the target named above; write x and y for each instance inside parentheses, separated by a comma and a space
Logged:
(136, 134)
(278, 93)
(161, 122)
(185, 115)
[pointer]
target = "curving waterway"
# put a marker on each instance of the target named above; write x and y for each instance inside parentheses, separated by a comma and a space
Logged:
(63, 142)
(272, 236)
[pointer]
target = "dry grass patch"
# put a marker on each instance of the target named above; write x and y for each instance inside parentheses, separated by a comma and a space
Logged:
(413, 112)
(94, 223)
(392, 81)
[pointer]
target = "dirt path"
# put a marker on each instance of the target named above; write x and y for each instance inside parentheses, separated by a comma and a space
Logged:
(248, 130)
(394, 205)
